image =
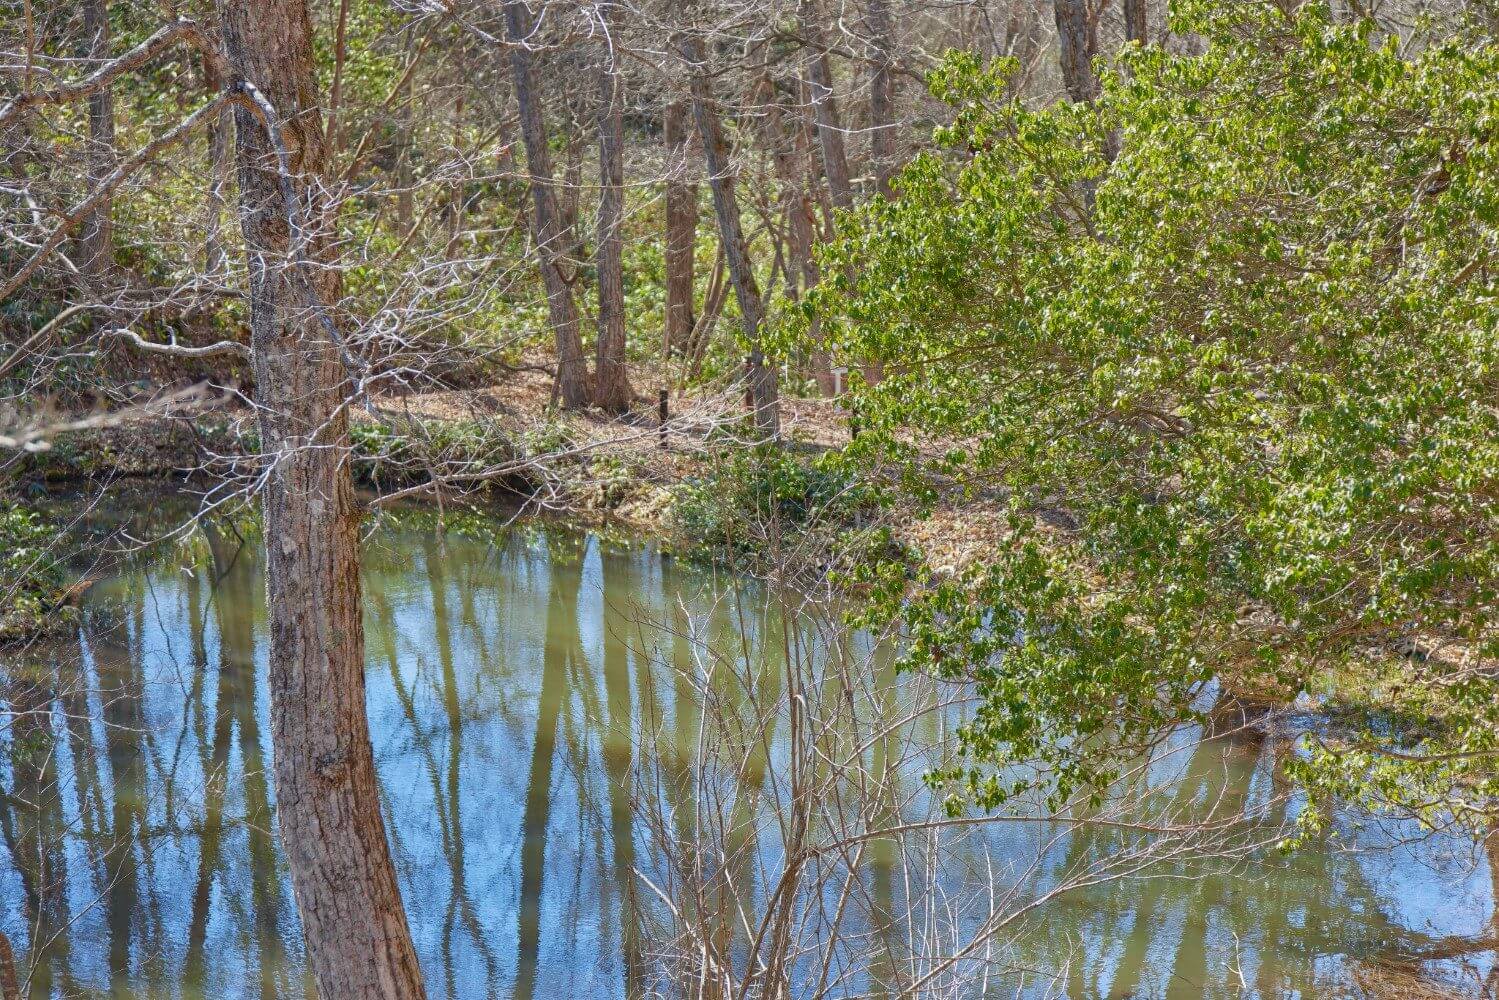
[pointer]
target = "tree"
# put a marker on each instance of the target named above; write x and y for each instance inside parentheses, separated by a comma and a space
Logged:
(883, 141)
(327, 799)
(825, 107)
(1241, 411)
(550, 236)
(96, 236)
(1136, 28)
(1077, 41)
(612, 390)
(681, 230)
(763, 394)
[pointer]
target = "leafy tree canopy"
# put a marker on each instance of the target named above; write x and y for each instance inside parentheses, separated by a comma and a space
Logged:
(1239, 388)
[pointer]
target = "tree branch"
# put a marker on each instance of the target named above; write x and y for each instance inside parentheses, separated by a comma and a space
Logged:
(181, 350)
(143, 53)
(108, 185)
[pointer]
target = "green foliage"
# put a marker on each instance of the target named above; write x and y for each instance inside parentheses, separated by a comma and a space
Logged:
(34, 579)
(1252, 366)
(399, 453)
(768, 500)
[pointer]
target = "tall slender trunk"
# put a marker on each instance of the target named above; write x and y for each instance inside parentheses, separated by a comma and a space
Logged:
(327, 798)
(763, 392)
(404, 177)
(681, 232)
(97, 232)
(1136, 27)
(548, 232)
(220, 130)
(825, 108)
(793, 174)
(1077, 36)
(457, 190)
(612, 389)
(883, 146)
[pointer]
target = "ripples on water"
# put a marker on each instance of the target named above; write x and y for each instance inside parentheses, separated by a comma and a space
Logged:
(521, 689)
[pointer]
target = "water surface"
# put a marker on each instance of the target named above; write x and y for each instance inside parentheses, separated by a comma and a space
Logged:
(516, 677)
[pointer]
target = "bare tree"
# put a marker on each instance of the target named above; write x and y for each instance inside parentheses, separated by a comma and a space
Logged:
(883, 140)
(681, 231)
(96, 237)
(548, 232)
(612, 390)
(328, 803)
(763, 391)
(825, 107)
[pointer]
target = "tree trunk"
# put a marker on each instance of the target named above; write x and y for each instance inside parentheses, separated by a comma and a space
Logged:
(1077, 36)
(763, 393)
(612, 390)
(547, 231)
(215, 256)
(825, 108)
(405, 205)
(96, 233)
(327, 799)
(793, 174)
(1135, 24)
(883, 147)
(681, 232)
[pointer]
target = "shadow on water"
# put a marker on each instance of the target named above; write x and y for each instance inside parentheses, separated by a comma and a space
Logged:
(514, 676)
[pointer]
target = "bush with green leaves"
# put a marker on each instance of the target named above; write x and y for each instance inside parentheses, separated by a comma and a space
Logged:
(34, 582)
(770, 500)
(403, 452)
(1250, 361)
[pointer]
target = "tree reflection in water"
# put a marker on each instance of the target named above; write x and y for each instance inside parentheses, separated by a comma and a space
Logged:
(537, 700)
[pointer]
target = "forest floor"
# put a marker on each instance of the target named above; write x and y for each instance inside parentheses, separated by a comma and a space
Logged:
(641, 473)
(584, 464)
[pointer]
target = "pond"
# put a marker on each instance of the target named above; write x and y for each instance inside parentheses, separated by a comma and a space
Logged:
(525, 684)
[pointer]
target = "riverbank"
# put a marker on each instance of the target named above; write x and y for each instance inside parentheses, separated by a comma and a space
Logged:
(630, 472)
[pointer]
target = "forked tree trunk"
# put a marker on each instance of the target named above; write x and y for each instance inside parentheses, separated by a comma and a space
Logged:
(327, 800)
(825, 108)
(612, 389)
(547, 230)
(681, 232)
(763, 393)
(883, 147)
(97, 232)
(1077, 37)
(1136, 27)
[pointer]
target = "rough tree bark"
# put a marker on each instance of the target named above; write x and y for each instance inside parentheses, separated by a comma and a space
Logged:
(825, 108)
(1077, 36)
(328, 806)
(97, 232)
(681, 232)
(1136, 27)
(763, 392)
(547, 230)
(883, 140)
(612, 389)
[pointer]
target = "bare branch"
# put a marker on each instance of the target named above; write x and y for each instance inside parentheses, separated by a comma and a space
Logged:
(181, 350)
(143, 53)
